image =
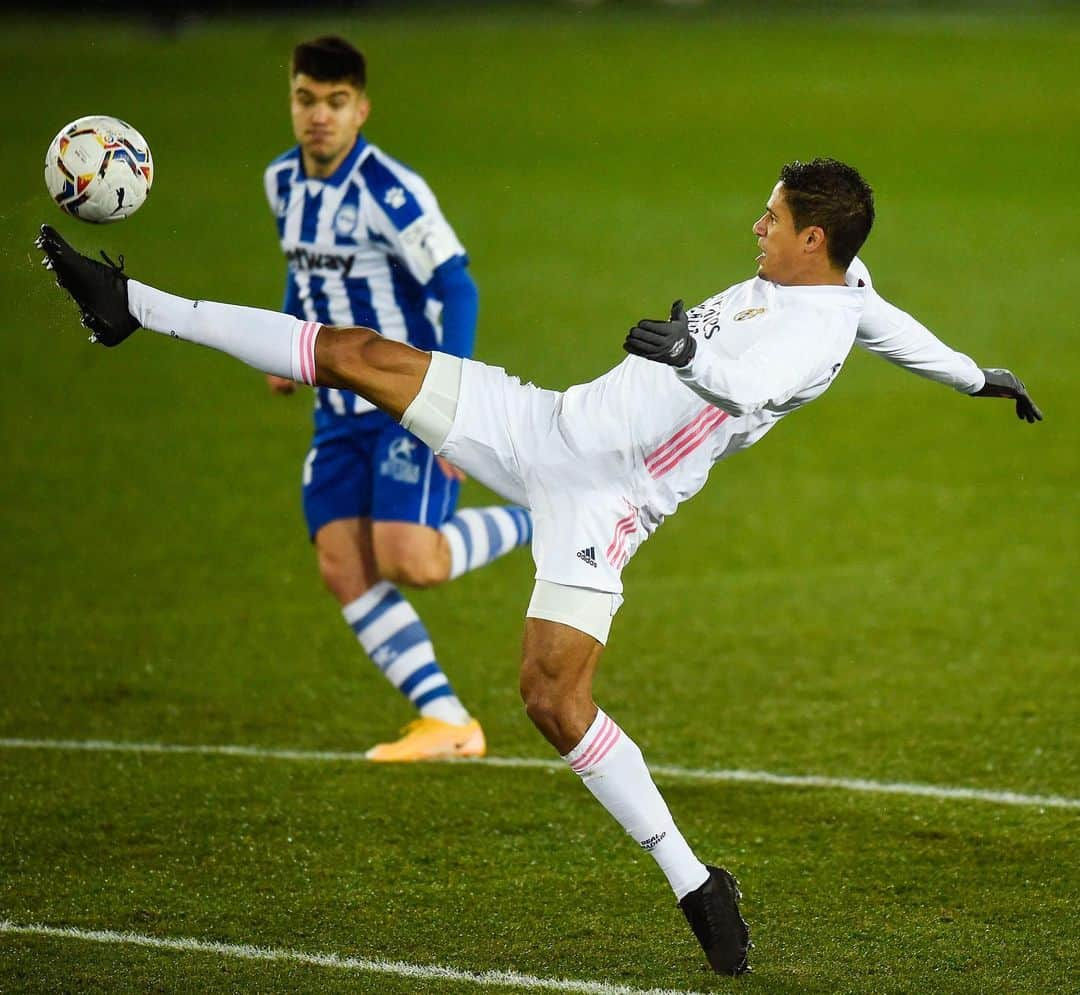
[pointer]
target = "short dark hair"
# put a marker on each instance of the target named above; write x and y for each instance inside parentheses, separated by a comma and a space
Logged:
(328, 59)
(835, 197)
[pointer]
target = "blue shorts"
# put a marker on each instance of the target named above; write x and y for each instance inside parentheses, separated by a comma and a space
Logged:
(368, 466)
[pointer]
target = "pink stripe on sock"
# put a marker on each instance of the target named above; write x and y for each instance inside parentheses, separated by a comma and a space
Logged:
(599, 748)
(307, 351)
(597, 757)
(302, 354)
(311, 348)
(583, 761)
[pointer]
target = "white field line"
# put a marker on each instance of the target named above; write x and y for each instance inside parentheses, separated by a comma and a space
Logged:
(661, 771)
(401, 969)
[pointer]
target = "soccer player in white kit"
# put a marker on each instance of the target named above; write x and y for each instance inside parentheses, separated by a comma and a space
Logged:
(602, 464)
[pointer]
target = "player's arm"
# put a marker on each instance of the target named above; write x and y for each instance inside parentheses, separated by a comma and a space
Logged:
(420, 236)
(895, 335)
(408, 216)
(453, 286)
(771, 371)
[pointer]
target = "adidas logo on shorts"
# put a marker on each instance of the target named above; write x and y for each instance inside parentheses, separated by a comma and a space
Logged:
(588, 555)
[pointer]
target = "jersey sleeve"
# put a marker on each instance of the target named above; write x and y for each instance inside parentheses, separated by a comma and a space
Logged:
(408, 216)
(453, 285)
(270, 188)
(277, 185)
(778, 366)
(896, 336)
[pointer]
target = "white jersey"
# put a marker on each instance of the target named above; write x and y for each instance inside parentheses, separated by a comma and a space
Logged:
(603, 463)
(763, 351)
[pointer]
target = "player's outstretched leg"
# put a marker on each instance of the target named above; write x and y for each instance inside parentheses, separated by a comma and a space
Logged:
(556, 685)
(100, 289)
(389, 374)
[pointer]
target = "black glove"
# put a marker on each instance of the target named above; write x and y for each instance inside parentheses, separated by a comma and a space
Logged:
(1005, 383)
(663, 341)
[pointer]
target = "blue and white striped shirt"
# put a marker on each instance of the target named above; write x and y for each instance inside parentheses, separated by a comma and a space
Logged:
(368, 246)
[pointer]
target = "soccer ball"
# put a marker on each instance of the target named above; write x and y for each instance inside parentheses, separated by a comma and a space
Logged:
(99, 169)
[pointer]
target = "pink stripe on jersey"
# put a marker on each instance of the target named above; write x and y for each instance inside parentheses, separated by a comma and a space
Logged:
(599, 748)
(684, 442)
(307, 351)
(623, 527)
(673, 442)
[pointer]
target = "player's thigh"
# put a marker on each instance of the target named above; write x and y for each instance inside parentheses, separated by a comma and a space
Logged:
(337, 479)
(411, 498)
(346, 557)
(499, 428)
(337, 507)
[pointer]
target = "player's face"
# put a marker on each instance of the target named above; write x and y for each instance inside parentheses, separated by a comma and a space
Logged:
(326, 117)
(782, 251)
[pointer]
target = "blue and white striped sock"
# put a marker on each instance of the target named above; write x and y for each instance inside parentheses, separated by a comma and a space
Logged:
(480, 535)
(398, 643)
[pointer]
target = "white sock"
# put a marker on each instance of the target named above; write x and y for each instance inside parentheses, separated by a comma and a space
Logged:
(613, 769)
(269, 341)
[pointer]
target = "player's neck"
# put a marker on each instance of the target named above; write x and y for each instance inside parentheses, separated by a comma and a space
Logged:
(826, 277)
(316, 170)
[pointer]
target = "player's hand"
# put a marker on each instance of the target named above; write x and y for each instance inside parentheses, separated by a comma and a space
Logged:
(1005, 383)
(663, 341)
(451, 471)
(280, 385)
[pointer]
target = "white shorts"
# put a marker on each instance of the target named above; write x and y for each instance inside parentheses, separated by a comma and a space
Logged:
(511, 437)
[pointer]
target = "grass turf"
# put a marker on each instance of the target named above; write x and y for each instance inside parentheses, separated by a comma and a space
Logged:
(884, 589)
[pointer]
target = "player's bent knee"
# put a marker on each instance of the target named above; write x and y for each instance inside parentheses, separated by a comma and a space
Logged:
(413, 572)
(544, 706)
(413, 555)
(342, 586)
(557, 694)
(342, 575)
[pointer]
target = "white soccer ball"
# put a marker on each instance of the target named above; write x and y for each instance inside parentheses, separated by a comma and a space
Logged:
(99, 169)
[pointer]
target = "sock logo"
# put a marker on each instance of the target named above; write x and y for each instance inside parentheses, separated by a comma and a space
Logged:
(588, 555)
(383, 657)
(651, 842)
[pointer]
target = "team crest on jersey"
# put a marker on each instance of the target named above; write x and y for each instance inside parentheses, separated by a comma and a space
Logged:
(345, 220)
(399, 464)
(395, 198)
(748, 312)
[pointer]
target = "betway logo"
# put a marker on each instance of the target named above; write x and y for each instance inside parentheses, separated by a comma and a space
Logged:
(302, 260)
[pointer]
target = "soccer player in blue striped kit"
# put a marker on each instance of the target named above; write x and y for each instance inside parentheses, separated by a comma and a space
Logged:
(366, 244)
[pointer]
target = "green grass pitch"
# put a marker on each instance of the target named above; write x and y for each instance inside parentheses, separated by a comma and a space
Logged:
(884, 589)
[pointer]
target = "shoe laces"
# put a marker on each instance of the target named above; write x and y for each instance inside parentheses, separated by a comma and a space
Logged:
(117, 267)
